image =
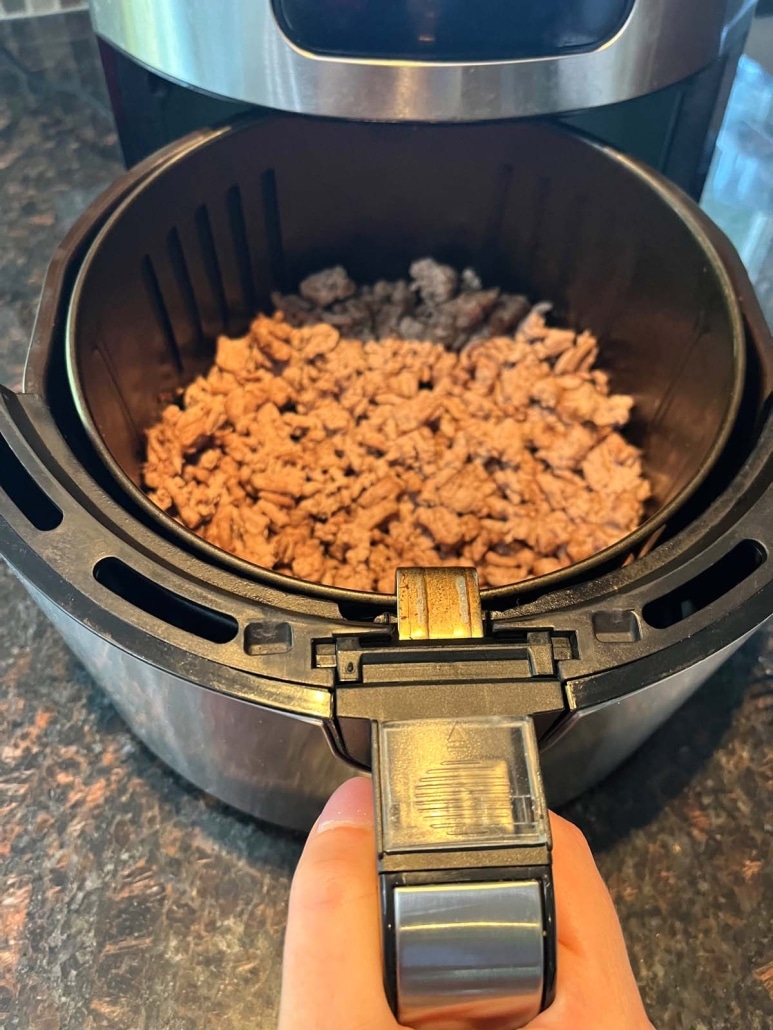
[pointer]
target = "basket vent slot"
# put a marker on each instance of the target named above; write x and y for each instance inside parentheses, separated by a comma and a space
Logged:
(712, 584)
(36, 506)
(273, 224)
(130, 585)
(241, 247)
(182, 277)
(210, 261)
(160, 312)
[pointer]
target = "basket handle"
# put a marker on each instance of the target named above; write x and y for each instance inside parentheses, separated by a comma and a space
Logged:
(464, 845)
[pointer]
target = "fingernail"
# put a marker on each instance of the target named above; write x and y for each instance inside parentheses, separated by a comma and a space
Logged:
(351, 805)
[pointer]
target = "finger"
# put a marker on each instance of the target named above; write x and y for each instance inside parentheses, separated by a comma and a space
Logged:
(331, 976)
(595, 983)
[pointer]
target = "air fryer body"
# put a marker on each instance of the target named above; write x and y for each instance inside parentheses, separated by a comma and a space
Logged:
(282, 767)
(241, 682)
(649, 77)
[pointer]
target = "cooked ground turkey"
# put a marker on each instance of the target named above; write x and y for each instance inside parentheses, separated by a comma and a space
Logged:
(420, 423)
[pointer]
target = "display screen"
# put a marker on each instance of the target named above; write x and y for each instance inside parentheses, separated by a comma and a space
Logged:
(450, 30)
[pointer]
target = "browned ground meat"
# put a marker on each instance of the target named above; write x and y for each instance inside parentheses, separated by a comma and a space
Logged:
(491, 441)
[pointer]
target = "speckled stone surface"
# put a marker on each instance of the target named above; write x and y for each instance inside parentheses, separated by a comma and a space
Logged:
(132, 901)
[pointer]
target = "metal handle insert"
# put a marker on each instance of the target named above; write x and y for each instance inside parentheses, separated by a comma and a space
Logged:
(471, 953)
(464, 856)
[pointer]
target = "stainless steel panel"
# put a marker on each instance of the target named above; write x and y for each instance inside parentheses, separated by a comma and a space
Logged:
(271, 764)
(281, 768)
(469, 955)
(237, 50)
(588, 745)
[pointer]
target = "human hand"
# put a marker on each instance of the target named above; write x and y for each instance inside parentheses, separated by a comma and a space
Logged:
(332, 977)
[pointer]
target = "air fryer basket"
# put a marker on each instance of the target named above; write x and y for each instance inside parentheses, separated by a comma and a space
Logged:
(216, 652)
(197, 249)
(264, 690)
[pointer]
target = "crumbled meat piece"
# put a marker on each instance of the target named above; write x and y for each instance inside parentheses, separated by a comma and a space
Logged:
(436, 283)
(422, 422)
(323, 288)
(232, 355)
(584, 402)
(506, 315)
(580, 357)
(470, 281)
(435, 304)
(444, 526)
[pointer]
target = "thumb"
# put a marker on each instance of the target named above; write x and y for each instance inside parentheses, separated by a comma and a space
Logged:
(331, 975)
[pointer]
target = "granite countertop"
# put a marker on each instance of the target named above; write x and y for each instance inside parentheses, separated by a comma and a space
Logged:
(131, 900)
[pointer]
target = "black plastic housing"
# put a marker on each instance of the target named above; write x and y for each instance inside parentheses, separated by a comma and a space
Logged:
(451, 30)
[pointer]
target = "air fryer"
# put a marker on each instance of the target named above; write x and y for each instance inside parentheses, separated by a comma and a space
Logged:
(473, 710)
(267, 691)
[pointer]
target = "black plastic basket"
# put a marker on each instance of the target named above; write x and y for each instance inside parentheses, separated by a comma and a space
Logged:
(198, 247)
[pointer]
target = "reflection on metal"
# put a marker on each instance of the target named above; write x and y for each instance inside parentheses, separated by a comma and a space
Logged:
(438, 604)
(590, 743)
(469, 955)
(274, 765)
